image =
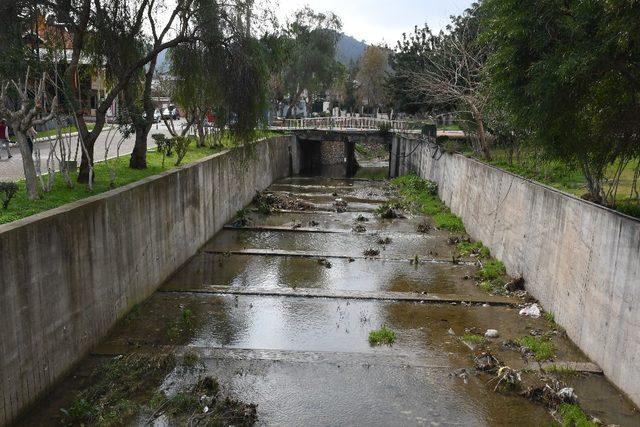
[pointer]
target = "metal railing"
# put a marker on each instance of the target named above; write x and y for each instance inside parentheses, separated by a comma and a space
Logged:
(353, 123)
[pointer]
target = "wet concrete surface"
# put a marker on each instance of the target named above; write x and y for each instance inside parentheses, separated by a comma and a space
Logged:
(406, 246)
(303, 356)
(270, 272)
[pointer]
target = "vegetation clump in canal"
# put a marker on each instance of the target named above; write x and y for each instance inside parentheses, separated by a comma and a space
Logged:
(473, 249)
(541, 347)
(473, 339)
(371, 252)
(117, 389)
(182, 326)
(492, 276)
(383, 335)
(203, 404)
(573, 416)
(122, 388)
(422, 196)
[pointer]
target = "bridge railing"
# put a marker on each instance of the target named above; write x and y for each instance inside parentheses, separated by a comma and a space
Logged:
(359, 123)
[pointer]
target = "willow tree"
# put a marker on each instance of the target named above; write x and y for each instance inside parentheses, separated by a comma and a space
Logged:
(372, 71)
(311, 40)
(221, 70)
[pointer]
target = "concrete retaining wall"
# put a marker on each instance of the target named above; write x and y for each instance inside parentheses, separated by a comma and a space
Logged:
(582, 261)
(67, 275)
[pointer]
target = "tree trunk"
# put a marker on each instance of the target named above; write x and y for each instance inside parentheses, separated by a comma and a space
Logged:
(87, 142)
(139, 154)
(200, 130)
(31, 180)
(482, 134)
(138, 158)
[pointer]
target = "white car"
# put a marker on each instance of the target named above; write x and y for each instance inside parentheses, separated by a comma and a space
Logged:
(156, 115)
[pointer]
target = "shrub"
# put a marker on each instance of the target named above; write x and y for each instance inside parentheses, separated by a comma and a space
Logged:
(7, 191)
(384, 128)
(181, 145)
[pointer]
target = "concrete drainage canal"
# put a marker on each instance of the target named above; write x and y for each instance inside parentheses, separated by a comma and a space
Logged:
(312, 308)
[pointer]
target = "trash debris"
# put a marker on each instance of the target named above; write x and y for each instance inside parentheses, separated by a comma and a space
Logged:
(515, 285)
(387, 213)
(341, 205)
(384, 241)
(371, 252)
(451, 332)
(532, 311)
(423, 227)
(510, 345)
(508, 378)
(460, 373)
(362, 218)
(485, 362)
(359, 228)
(268, 202)
(567, 395)
(491, 333)
(324, 262)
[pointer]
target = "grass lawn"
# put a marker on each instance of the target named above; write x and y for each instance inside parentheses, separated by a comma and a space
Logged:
(557, 174)
(21, 207)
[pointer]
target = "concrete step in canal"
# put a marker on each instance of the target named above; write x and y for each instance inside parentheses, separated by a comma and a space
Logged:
(278, 309)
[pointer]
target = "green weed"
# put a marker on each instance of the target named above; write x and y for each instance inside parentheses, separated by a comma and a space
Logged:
(491, 270)
(477, 248)
(383, 335)
(561, 370)
(472, 339)
(542, 347)
(574, 416)
(107, 400)
(448, 221)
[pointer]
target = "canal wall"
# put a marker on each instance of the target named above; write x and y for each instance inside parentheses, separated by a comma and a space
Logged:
(582, 261)
(67, 275)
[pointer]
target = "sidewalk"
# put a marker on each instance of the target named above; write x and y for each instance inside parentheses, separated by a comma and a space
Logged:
(11, 169)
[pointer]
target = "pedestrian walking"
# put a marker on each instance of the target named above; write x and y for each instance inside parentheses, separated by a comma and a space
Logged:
(4, 136)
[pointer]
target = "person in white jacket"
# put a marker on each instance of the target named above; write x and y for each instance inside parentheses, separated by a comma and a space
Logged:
(4, 136)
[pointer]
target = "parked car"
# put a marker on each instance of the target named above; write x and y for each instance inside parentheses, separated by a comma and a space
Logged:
(156, 115)
(170, 112)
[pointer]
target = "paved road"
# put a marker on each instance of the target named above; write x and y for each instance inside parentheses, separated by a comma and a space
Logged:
(11, 169)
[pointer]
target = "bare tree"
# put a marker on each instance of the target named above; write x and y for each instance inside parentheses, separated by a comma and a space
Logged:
(28, 105)
(452, 75)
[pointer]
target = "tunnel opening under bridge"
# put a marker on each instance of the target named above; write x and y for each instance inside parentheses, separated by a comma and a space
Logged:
(344, 158)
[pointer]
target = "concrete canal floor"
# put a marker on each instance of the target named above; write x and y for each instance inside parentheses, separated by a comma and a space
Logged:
(278, 308)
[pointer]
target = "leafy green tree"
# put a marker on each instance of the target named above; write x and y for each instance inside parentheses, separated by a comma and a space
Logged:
(311, 50)
(221, 70)
(568, 74)
(372, 70)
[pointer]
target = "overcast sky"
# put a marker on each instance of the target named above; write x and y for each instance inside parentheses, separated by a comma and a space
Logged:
(376, 21)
